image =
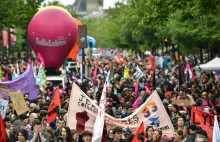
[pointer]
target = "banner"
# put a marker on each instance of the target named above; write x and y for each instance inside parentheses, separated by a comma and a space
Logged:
(13, 39)
(25, 82)
(204, 120)
(83, 114)
(3, 107)
(5, 38)
(2, 131)
(18, 101)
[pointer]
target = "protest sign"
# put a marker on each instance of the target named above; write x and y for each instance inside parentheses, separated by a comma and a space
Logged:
(2, 131)
(182, 102)
(3, 107)
(83, 114)
(25, 82)
(18, 101)
(204, 120)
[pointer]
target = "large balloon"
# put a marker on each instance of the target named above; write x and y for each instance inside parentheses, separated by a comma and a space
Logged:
(52, 32)
(73, 53)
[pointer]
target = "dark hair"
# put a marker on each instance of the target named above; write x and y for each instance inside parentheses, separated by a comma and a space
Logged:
(69, 137)
(192, 127)
(73, 132)
(117, 129)
(180, 133)
(87, 133)
(59, 139)
(24, 133)
(148, 127)
(36, 122)
(130, 138)
(202, 132)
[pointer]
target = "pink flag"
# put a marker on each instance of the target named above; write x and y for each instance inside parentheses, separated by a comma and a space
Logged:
(191, 74)
(136, 90)
(40, 59)
(136, 103)
(6, 77)
(147, 90)
(94, 74)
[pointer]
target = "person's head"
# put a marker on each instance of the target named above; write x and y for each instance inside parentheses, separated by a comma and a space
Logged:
(7, 121)
(191, 128)
(66, 133)
(36, 124)
(32, 117)
(60, 139)
(204, 95)
(201, 132)
(87, 136)
(127, 132)
(110, 134)
(62, 112)
(49, 132)
(130, 109)
(75, 135)
(26, 96)
(61, 123)
(178, 135)
(157, 135)
(217, 110)
(175, 108)
(22, 135)
(117, 131)
(109, 90)
(149, 132)
(180, 121)
(210, 95)
(201, 138)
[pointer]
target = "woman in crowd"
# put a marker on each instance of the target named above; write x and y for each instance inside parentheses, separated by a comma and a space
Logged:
(75, 135)
(180, 123)
(205, 103)
(66, 133)
(178, 136)
(110, 135)
(50, 134)
(22, 135)
(157, 135)
(149, 133)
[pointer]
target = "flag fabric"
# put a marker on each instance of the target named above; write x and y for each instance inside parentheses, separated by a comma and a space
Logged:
(53, 105)
(137, 103)
(14, 75)
(136, 90)
(41, 76)
(94, 74)
(108, 79)
(138, 57)
(40, 60)
(139, 136)
(147, 90)
(2, 131)
(18, 70)
(25, 82)
(84, 111)
(138, 74)
(100, 118)
(216, 131)
(6, 77)
(126, 73)
(189, 70)
(219, 75)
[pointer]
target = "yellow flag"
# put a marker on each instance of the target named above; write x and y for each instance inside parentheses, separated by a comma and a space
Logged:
(126, 73)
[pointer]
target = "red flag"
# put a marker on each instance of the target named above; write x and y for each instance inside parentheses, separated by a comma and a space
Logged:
(6, 77)
(2, 130)
(53, 105)
(139, 136)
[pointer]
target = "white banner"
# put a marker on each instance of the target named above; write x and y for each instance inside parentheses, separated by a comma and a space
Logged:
(82, 114)
(3, 107)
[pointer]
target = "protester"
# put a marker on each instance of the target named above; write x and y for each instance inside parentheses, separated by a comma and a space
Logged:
(149, 133)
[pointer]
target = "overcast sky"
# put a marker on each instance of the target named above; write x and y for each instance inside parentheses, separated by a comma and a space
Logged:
(64, 2)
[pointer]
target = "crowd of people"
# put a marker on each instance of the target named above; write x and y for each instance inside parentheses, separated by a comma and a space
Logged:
(204, 91)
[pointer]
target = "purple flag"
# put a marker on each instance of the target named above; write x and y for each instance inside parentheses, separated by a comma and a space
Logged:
(25, 82)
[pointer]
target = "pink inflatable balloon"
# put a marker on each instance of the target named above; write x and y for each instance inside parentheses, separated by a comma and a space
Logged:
(52, 32)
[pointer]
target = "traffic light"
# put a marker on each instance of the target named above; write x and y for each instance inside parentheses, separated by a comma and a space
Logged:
(166, 42)
(90, 43)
